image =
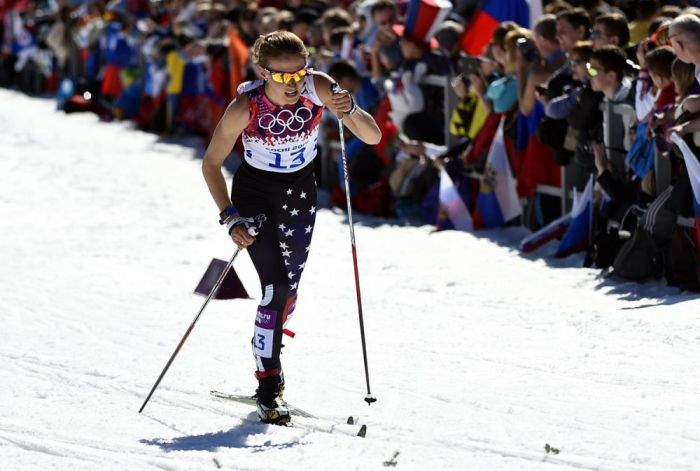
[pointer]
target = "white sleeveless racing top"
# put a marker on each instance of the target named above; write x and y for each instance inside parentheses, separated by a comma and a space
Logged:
(277, 138)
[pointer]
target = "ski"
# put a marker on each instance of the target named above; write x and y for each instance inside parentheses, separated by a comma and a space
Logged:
(300, 417)
(251, 401)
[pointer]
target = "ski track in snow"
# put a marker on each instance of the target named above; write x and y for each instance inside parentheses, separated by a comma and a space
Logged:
(478, 356)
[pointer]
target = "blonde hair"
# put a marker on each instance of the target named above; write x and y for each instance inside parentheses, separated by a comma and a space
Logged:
(683, 76)
(582, 50)
(277, 44)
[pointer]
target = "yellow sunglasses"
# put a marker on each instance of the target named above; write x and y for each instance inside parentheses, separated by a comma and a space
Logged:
(592, 71)
(286, 77)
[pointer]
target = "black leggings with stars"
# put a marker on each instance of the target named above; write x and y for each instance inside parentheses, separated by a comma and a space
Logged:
(284, 208)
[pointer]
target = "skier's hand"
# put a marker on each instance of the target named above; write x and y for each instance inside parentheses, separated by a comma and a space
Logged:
(241, 236)
(341, 102)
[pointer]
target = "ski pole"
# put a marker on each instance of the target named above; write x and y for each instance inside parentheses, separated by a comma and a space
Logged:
(252, 231)
(369, 398)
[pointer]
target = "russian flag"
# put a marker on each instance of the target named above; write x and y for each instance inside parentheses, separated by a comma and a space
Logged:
(578, 235)
(452, 202)
(693, 166)
(491, 14)
(551, 231)
(424, 17)
(498, 201)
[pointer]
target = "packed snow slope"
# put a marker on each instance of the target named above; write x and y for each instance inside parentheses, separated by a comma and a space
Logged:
(479, 357)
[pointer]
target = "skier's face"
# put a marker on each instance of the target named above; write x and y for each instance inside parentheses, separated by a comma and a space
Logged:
(284, 77)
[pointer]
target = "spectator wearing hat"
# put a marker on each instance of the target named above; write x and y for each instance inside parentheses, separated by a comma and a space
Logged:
(403, 90)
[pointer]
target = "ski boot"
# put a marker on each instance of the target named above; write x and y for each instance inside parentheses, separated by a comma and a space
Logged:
(270, 406)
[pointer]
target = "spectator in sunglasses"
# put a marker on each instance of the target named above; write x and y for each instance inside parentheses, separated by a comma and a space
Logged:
(606, 70)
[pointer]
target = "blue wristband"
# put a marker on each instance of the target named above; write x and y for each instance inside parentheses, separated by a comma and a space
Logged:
(227, 213)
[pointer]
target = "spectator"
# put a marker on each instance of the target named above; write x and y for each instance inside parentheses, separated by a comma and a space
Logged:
(607, 73)
(362, 89)
(538, 59)
(501, 94)
(572, 25)
(334, 18)
(175, 65)
(584, 119)
(447, 37)
(610, 29)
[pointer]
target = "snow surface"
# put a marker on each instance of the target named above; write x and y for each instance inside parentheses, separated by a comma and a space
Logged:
(478, 355)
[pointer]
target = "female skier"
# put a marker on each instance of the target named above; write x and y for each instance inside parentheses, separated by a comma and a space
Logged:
(274, 189)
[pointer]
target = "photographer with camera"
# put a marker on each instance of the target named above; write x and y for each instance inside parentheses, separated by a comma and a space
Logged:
(496, 85)
(494, 80)
(538, 59)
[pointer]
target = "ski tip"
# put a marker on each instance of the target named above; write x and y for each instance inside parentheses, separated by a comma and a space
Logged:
(369, 399)
(351, 420)
(362, 432)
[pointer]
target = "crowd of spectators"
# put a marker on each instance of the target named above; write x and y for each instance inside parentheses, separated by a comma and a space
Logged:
(593, 88)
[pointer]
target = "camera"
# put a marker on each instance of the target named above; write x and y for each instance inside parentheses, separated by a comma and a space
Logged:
(527, 49)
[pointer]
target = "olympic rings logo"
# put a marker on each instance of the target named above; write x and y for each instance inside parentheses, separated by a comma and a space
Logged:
(285, 120)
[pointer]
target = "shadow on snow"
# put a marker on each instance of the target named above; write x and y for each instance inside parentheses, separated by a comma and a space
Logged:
(236, 437)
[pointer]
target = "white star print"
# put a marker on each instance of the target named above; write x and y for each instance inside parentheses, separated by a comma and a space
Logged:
(289, 191)
(286, 253)
(293, 285)
(282, 227)
(283, 245)
(290, 275)
(284, 207)
(312, 210)
(307, 229)
(301, 267)
(294, 212)
(286, 262)
(302, 195)
(307, 248)
(289, 233)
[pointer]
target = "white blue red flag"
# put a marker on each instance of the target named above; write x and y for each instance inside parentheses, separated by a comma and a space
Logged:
(498, 200)
(494, 12)
(551, 231)
(423, 17)
(452, 202)
(578, 235)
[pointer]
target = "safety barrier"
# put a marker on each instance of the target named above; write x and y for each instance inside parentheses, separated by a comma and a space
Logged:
(616, 119)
